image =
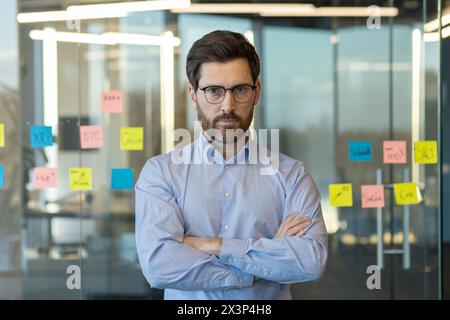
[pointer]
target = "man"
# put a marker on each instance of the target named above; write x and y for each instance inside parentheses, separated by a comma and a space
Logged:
(221, 229)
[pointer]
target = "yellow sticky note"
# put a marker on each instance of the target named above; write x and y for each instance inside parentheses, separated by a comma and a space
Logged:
(425, 152)
(406, 193)
(2, 135)
(131, 138)
(80, 178)
(341, 195)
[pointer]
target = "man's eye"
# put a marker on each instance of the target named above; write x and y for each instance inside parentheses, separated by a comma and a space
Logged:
(213, 90)
(240, 89)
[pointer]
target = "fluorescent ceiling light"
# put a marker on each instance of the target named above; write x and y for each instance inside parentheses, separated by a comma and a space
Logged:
(255, 8)
(44, 16)
(100, 11)
(434, 24)
(335, 12)
(434, 36)
(108, 38)
(133, 6)
(284, 10)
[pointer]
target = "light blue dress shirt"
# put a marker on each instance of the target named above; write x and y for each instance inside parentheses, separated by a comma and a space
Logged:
(232, 200)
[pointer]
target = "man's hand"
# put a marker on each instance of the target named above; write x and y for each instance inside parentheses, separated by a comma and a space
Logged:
(209, 245)
(290, 227)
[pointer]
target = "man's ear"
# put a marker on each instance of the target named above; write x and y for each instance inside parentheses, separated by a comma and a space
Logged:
(192, 96)
(257, 91)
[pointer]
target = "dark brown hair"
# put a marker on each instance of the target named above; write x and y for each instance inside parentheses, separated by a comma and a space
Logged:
(220, 46)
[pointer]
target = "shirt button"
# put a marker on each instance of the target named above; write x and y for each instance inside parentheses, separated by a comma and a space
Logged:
(226, 227)
(226, 167)
(241, 281)
(227, 195)
(205, 285)
(230, 260)
(266, 273)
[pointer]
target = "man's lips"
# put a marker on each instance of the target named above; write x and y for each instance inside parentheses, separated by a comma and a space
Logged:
(227, 121)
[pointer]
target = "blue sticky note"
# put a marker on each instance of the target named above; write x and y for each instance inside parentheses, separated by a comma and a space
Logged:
(2, 176)
(360, 150)
(41, 136)
(122, 178)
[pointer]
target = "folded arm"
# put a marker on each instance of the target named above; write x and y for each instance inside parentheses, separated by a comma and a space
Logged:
(165, 260)
(292, 257)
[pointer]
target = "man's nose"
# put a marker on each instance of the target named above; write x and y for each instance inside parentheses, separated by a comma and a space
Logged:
(228, 104)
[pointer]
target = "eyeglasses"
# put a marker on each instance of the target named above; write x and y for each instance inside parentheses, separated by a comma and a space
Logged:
(216, 94)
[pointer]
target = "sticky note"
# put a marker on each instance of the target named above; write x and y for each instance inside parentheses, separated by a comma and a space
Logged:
(122, 178)
(372, 196)
(341, 195)
(2, 135)
(132, 138)
(2, 176)
(360, 150)
(111, 101)
(41, 136)
(394, 152)
(406, 193)
(80, 178)
(91, 137)
(425, 152)
(44, 178)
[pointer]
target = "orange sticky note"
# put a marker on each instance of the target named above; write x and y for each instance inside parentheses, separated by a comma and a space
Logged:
(111, 101)
(372, 196)
(44, 178)
(425, 152)
(341, 195)
(91, 137)
(394, 152)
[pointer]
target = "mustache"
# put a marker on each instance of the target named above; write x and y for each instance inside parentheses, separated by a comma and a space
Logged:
(226, 116)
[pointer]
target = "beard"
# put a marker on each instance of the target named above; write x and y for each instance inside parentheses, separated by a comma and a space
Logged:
(228, 134)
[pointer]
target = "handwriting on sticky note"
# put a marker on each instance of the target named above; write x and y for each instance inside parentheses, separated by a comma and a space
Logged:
(111, 101)
(394, 152)
(2, 135)
(122, 178)
(425, 152)
(80, 178)
(341, 195)
(91, 137)
(360, 150)
(2, 176)
(406, 193)
(372, 196)
(132, 138)
(41, 136)
(44, 178)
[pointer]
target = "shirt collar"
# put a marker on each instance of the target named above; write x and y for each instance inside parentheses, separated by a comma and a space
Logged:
(206, 151)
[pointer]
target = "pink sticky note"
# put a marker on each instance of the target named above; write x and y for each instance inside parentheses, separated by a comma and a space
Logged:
(111, 101)
(91, 137)
(394, 152)
(44, 178)
(372, 196)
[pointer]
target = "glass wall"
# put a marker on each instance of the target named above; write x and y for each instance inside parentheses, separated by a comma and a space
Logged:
(112, 90)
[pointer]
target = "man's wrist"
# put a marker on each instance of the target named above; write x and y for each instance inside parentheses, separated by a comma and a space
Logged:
(217, 246)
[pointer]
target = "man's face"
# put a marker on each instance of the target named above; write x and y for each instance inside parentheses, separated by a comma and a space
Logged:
(228, 114)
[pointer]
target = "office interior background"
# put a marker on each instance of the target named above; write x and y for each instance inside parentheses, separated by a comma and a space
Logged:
(330, 74)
